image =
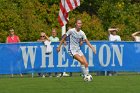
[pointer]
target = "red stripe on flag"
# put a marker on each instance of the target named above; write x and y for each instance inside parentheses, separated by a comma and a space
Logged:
(60, 21)
(63, 13)
(69, 4)
(75, 2)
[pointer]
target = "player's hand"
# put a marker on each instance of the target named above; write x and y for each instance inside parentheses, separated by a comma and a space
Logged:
(93, 49)
(81, 43)
(58, 49)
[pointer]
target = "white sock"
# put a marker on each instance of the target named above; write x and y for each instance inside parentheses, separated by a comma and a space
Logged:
(83, 69)
(86, 71)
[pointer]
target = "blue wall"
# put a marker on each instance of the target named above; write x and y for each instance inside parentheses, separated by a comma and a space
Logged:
(31, 57)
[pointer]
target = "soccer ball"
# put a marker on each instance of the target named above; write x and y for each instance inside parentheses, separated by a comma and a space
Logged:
(88, 78)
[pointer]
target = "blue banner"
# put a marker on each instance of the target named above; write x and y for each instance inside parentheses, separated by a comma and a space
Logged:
(31, 57)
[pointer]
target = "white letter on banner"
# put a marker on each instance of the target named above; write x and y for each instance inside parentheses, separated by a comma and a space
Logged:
(61, 57)
(118, 53)
(31, 51)
(101, 60)
(44, 55)
(90, 55)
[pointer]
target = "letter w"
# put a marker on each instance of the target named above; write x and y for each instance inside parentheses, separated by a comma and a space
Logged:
(31, 51)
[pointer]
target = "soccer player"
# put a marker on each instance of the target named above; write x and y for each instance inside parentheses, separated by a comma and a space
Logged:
(75, 35)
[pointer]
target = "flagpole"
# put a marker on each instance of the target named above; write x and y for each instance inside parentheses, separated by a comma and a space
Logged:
(63, 29)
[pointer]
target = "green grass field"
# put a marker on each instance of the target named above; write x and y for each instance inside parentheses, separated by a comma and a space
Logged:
(100, 84)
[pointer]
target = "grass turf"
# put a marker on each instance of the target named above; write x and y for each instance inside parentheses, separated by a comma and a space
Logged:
(100, 84)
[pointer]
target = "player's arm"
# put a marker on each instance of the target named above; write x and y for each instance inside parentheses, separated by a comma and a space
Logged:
(64, 40)
(81, 42)
(88, 43)
(135, 34)
(61, 42)
(65, 43)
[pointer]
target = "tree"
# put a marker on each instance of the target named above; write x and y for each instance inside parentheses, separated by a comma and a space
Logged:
(30, 17)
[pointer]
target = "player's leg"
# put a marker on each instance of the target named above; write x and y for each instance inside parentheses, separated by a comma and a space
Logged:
(79, 59)
(86, 70)
(83, 63)
(86, 65)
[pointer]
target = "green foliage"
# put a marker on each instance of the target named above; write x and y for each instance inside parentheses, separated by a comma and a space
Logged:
(122, 14)
(30, 17)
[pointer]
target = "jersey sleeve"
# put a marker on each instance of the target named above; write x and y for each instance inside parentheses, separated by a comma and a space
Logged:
(68, 32)
(83, 36)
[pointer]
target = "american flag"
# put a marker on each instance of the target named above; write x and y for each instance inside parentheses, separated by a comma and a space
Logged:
(65, 7)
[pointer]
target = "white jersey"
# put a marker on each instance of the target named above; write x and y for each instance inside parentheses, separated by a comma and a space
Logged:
(114, 37)
(137, 38)
(74, 38)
